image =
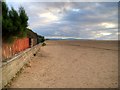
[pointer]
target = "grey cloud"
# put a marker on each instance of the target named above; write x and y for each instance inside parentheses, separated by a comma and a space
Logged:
(72, 23)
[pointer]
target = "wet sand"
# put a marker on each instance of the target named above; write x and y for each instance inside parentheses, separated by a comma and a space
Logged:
(72, 64)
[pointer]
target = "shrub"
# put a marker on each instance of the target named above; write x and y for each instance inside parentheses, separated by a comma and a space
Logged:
(14, 24)
(43, 44)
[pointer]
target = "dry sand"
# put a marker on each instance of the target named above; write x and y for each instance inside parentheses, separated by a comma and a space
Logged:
(72, 64)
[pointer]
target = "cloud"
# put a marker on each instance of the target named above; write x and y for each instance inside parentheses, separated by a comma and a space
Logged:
(87, 20)
(108, 25)
(63, 1)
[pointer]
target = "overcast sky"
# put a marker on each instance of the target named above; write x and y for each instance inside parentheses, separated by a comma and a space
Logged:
(80, 20)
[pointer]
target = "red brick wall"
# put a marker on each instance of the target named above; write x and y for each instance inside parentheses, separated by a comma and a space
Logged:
(8, 50)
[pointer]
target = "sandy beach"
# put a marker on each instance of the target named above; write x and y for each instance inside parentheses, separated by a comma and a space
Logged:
(72, 64)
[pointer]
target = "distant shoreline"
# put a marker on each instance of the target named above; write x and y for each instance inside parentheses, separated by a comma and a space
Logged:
(82, 39)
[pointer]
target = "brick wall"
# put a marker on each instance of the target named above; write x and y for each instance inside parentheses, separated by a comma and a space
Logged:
(8, 50)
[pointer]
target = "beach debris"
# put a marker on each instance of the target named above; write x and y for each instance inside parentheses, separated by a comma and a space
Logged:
(34, 54)
(28, 64)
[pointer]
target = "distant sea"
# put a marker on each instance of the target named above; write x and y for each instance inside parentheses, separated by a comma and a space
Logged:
(79, 39)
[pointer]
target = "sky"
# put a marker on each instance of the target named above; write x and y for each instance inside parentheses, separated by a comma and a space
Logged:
(79, 20)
